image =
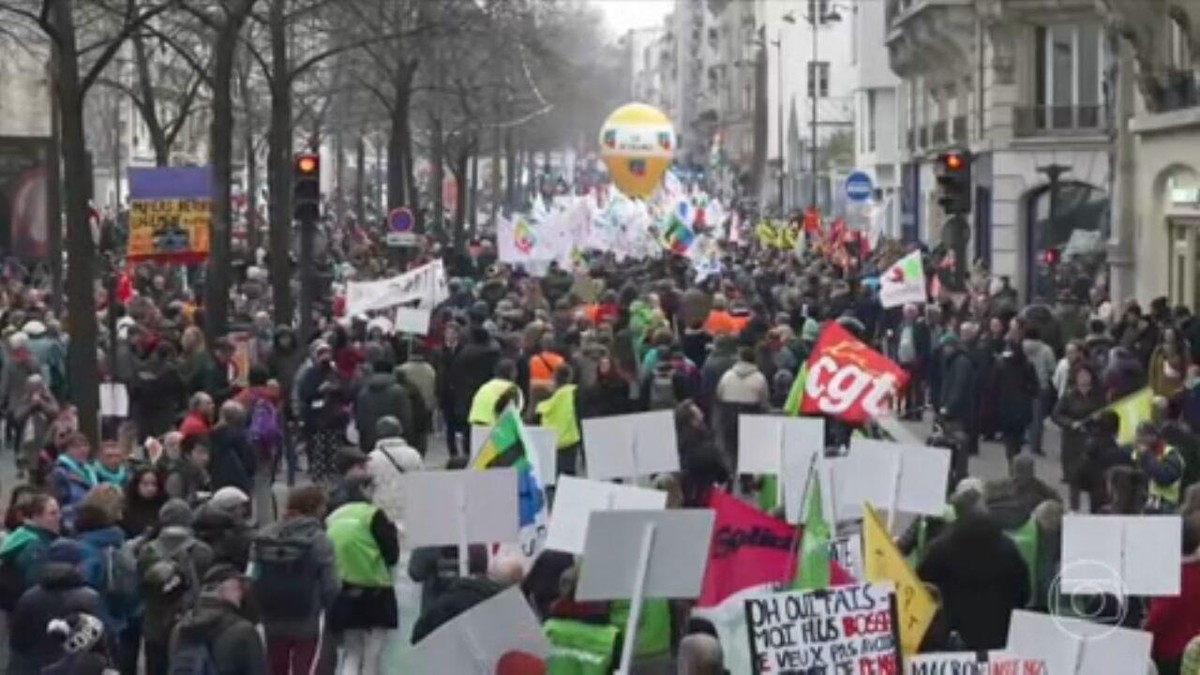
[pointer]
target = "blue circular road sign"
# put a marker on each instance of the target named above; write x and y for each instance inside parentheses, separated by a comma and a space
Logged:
(858, 187)
(400, 220)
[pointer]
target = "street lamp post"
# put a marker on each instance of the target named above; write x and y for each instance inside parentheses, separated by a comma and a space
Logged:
(789, 18)
(815, 19)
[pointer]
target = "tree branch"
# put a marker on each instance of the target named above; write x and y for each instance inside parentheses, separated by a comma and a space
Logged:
(133, 23)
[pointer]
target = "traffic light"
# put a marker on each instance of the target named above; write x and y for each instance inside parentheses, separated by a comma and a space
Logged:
(306, 188)
(954, 178)
(1051, 257)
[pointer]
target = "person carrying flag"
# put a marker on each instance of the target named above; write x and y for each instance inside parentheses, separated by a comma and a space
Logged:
(494, 396)
(560, 412)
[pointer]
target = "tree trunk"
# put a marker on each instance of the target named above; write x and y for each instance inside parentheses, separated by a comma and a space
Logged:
(253, 233)
(510, 172)
(216, 305)
(459, 169)
(472, 205)
(437, 173)
(81, 250)
(149, 104)
(360, 180)
(279, 168)
(400, 182)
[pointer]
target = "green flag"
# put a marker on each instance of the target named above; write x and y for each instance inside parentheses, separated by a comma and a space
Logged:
(796, 395)
(813, 571)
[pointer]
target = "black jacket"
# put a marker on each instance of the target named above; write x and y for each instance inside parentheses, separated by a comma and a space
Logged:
(381, 395)
(462, 595)
(474, 365)
(232, 459)
(982, 579)
(233, 641)
(436, 568)
(60, 591)
(958, 387)
(226, 534)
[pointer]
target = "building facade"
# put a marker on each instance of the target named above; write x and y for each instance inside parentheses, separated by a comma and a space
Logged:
(1022, 85)
(877, 108)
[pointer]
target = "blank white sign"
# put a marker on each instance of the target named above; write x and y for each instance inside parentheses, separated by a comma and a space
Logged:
(678, 554)
(1139, 555)
(576, 499)
(440, 504)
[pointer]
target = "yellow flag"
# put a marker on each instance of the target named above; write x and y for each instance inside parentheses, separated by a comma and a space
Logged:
(767, 236)
(883, 562)
(1132, 410)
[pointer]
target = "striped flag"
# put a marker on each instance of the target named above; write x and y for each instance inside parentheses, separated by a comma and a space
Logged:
(509, 446)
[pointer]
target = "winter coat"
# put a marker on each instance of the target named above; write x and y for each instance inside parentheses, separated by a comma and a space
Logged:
(1069, 414)
(97, 545)
(981, 578)
(233, 461)
(422, 376)
(51, 356)
(462, 595)
(958, 393)
(60, 591)
(608, 396)
(225, 533)
(744, 384)
(472, 367)
(1015, 384)
(27, 546)
(436, 569)
(156, 395)
(381, 396)
(235, 645)
(387, 464)
(15, 373)
(324, 584)
(363, 608)
(69, 484)
(170, 541)
(721, 360)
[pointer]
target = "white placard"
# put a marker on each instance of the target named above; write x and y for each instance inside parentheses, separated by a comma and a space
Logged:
(443, 507)
(912, 477)
(831, 472)
(474, 642)
(763, 440)
(1077, 646)
(630, 446)
(544, 457)
(411, 320)
(576, 499)
(426, 285)
(678, 554)
(114, 400)
(1124, 555)
(997, 662)
(846, 551)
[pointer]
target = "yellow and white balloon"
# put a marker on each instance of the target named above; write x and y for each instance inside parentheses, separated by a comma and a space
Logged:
(637, 144)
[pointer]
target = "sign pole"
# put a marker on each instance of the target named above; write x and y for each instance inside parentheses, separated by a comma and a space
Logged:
(635, 603)
(464, 552)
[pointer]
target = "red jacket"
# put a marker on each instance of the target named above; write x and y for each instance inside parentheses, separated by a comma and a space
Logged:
(194, 425)
(1175, 621)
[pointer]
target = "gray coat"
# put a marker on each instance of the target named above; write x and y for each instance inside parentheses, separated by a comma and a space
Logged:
(324, 583)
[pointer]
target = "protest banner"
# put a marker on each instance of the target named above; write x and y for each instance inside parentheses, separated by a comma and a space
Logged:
(973, 663)
(748, 548)
(882, 562)
(849, 380)
(1078, 646)
(425, 286)
(903, 283)
(851, 629)
(575, 499)
(170, 212)
(483, 639)
(1137, 555)
(630, 446)
(459, 508)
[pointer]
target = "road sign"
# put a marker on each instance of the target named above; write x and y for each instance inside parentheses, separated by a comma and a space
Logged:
(858, 187)
(400, 227)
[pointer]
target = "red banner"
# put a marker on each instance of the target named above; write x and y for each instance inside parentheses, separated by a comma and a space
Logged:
(849, 380)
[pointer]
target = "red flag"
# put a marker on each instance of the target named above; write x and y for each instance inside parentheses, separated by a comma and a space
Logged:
(748, 549)
(520, 663)
(849, 380)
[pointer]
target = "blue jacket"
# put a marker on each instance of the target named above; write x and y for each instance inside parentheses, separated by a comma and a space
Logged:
(69, 483)
(96, 544)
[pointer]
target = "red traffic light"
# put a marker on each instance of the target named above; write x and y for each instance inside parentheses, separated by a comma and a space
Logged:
(308, 164)
(1050, 256)
(954, 162)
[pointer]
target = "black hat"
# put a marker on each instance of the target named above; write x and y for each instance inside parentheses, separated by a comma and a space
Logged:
(220, 573)
(347, 458)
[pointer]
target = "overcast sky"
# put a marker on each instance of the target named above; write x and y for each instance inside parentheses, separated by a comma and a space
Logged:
(623, 15)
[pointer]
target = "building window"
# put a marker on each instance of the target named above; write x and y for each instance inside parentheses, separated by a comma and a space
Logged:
(1070, 71)
(1179, 54)
(872, 120)
(818, 72)
(817, 9)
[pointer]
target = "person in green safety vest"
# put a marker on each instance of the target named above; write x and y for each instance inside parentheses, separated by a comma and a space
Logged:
(560, 412)
(1163, 466)
(365, 549)
(494, 396)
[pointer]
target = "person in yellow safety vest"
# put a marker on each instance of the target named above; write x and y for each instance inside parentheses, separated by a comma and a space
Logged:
(579, 648)
(494, 396)
(1163, 466)
(560, 412)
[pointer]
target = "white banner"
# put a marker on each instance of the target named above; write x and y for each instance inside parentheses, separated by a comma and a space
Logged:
(903, 283)
(425, 285)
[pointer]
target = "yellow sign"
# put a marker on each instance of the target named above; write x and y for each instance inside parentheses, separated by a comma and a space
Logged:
(637, 143)
(172, 229)
(883, 562)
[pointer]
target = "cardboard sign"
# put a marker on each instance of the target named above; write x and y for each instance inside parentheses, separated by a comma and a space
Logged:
(764, 440)
(479, 640)
(411, 320)
(973, 663)
(445, 508)
(114, 400)
(1122, 555)
(849, 380)
(850, 629)
(630, 446)
(676, 557)
(1078, 646)
(832, 473)
(545, 450)
(576, 499)
(897, 477)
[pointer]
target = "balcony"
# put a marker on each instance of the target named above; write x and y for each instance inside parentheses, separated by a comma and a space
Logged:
(1043, 120)
(1181, 91)
(958, 129)
(939, 133)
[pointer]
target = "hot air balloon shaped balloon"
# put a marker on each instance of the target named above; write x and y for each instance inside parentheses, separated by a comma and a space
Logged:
(637, 143)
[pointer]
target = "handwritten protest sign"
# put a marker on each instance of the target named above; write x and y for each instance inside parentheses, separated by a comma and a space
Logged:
(851, 629)
(973, 663)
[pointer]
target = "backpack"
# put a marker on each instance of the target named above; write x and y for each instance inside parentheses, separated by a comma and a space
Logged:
(193, 658)
(285, 572)
(121, 579)
(170, 580)
(264, 433)
(662, 388)
(12, 584)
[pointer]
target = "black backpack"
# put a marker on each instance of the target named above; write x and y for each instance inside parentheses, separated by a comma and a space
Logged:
(193, 658)
(285, 572)
(12, 583)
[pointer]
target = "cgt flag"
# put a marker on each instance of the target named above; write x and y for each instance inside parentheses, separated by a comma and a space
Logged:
(846, 379)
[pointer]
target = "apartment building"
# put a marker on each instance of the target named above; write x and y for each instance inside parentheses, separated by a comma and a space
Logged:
(1022, 85)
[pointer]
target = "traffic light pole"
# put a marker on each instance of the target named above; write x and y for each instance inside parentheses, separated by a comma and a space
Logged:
(308, 278)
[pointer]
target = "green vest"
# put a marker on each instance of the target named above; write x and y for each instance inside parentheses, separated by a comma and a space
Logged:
(355, 551)
(558, 413)
(1025, 538)
(768, 496)
(654, 627)
(1167, 493)
(579, 648)
(483, 405)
